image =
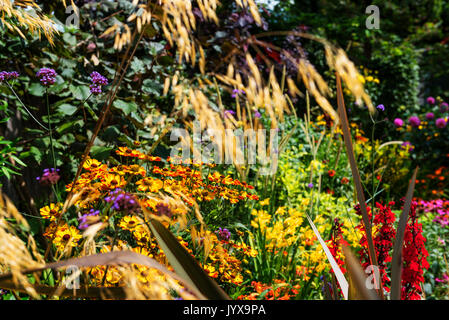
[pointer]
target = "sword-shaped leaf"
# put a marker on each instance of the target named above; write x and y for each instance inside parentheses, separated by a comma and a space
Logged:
(396, 263)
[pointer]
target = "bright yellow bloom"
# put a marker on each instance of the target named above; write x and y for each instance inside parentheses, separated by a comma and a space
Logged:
(66, 236)
(129, 223)
(149, 184)
(52, 211)
(112, 181)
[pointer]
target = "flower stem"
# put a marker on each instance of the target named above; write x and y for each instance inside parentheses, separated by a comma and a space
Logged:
(23, 105)
(52, 149)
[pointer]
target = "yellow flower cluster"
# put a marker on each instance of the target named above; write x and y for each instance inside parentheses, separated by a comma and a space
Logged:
(280, 229)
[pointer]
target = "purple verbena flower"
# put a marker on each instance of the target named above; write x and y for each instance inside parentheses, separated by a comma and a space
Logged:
(5, 75)
(50, 176)
(97, 81)
(47, 76)
(163, 210)
(229, 112)
(123, 201)
(414, 121)
(223, 234)
(380, 107)
(257, 114)
(236, 92)
(310, 185)
(84, 220)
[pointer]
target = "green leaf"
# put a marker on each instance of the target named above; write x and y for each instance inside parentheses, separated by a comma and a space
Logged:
(36, 89)
(151, 86)
(5, 171)
(80, 92)
(69, 125)
(67, 109)
(100, 152)
(69, 38)
(137, 65)
(126, 107)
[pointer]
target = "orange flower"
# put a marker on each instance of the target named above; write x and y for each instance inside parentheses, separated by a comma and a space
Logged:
(150, 184)
(112, 181)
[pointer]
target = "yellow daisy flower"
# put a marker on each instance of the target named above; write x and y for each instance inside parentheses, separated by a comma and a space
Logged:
(52, 211)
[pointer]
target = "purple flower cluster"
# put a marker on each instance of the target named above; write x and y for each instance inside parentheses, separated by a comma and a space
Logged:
(444, 107)
(163, 210)
(441, 123)
(257, 114)
(414, 121)
(236, 92)
(97, 81)
(123, 201)
(440, 207)
(84, 220)
(407, 146)
(381, 107)
(223, 234)
(229, 112)
(49, 177)
(47, 76)
(5, 75)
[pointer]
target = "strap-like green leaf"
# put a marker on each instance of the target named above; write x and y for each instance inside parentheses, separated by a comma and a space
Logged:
(396, 263)
(355, 173)
(184, 264)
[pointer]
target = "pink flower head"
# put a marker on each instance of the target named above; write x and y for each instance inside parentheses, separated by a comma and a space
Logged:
(414, 121)
(440, 123)
(430, 116)
(398, 122)
(431, 100)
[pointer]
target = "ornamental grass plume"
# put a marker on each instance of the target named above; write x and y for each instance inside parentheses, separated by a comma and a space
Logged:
(26, 15)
